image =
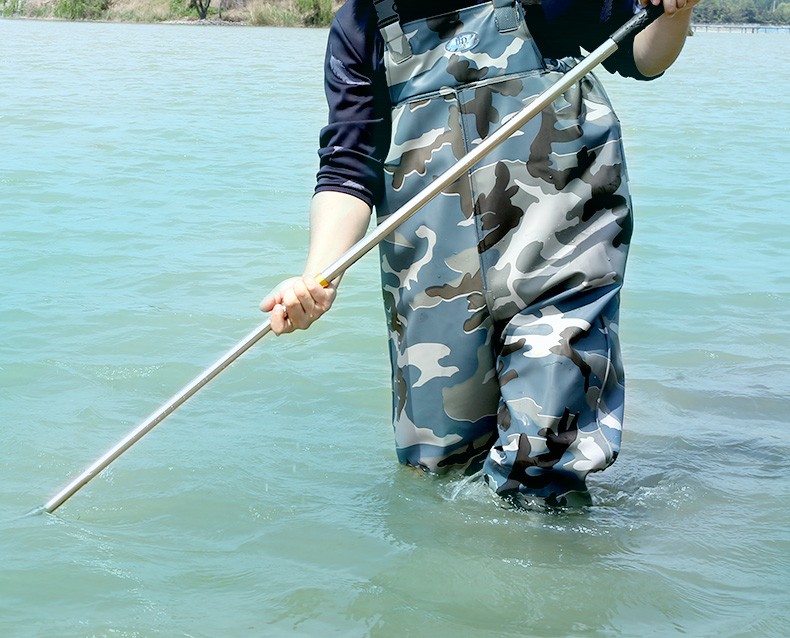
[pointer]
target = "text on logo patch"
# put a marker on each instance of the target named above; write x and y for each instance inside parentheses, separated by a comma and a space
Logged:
(462, 42)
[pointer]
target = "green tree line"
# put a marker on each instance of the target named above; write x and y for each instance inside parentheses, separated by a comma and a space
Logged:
(290, 13)
(742, 12)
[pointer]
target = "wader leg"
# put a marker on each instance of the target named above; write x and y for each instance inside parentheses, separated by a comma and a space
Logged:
(561, 411)
(445, 389)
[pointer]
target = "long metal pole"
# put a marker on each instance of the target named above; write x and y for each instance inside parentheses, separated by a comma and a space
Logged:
(363, 246)
(157, 417)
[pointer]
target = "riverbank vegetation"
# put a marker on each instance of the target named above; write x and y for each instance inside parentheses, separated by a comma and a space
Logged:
(312, 12)
(292, 13)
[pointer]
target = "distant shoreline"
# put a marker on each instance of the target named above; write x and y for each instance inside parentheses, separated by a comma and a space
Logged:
(280, 13)
(742, 28)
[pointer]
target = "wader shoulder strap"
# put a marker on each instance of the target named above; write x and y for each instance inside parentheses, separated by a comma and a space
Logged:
(391, 30)
(506, 15)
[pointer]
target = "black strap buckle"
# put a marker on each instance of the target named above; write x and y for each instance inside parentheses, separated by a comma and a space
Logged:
(387, 12)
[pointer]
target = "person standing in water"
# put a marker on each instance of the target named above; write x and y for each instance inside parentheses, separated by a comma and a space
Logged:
(502, 294)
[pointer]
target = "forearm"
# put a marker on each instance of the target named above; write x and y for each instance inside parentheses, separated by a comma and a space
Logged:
(337, 222)
(658, 46)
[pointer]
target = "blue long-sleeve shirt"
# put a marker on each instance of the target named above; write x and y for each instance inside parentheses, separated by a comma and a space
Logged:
(355, 142)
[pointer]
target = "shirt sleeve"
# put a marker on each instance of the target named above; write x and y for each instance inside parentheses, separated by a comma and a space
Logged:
(355, 141)
(562, 25)
(613, 14)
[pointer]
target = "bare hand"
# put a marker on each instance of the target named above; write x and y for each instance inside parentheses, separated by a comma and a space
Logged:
(296, 303)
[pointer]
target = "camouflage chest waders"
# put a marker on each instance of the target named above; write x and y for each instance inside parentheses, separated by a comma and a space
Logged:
(502, 294)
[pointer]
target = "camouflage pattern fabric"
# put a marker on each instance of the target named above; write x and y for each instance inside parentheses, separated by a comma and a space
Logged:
(502, 293)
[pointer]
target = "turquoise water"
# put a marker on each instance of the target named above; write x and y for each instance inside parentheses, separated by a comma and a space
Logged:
(153, 186)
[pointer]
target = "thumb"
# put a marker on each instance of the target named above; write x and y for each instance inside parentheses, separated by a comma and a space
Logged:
(268, 303)
(276, 296)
